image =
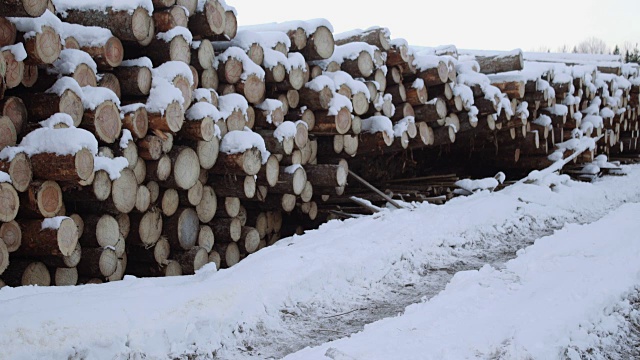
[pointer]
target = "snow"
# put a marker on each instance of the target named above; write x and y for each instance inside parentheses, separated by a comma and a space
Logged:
(32, 26)
(92, 97)
(63, 84)
(125, 139)
(4, 177)
(480, 313)
(17, 50)
(377, 124)
(201, 3)
(273, 58)
(67, 141)
(229, 103)
(270, 105)
(69, 60)
(355, 32)
(471, 185)
(53, 223)
(559, 110)
(237, 141)
(339, 101)
(309, 26)
(543, 120)
(92, 36)
(170, 69)
(418, 84)
(607, 113)
(113, 167)
(402, 126)
(176, 31)
(248, 66)
(285, 130)
(57, 118)
(356, 86)
(140, 62)
(202, 93)
(162, 94)
(266, 39)
(321, 82)
(131, 108)
(425, 62)
(297, 61)
(63, 6)
(349, 51)
(291, 169)
(201, 110)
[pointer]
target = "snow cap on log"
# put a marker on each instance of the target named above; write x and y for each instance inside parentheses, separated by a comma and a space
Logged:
(377, 124)
(309, 26)
(203, 93)
(236, 141)
(161, 95)
(269, 105)
(102, 5)
(342, 78)
(18, 51)
(248, 66)
(113, 167)
(338, 102)
(140, 62)
(57, 118)
(69, 60)
(285, 130)
(4, 177)
(267, 39)
(92, 97)
(59, 141)
(170, 69)
(53, 223)
(229, 103)
(176, 31)
(273, 58)
(32, 26)
(402, 126)
(320, 83)
(349, 51)
(126, 137)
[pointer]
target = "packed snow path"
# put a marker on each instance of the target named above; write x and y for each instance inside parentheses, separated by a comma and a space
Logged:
(296, 293)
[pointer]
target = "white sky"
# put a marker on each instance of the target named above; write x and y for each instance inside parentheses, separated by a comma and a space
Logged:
(468, 24)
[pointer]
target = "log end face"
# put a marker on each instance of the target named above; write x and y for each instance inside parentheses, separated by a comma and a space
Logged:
(4, 257)
(254, 89)
(36, 273)
(175, 116)
(200, 259)
(49, 199)
(187, 168)
(67, 237)
(10, 202)
(323, 42)
(251, 161)
(20, 172)
(108, 263)
(343, 121)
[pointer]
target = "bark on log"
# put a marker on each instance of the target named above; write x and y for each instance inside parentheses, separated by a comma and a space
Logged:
(62, 261)
(253, 88)
(11, 234)
(501, 63)
(98, 262)
(99, 231)
(375, 36)
(169, 18)
(327, 124)
(37, 241)
(229, 253)
(43, 105)
(110, 81)
(23, 8)
(192, 260)
(43, 48)
(7, 37)
(435, 75)
(26, 272)
(170, 121)
(134, 80)
(185, 168)
(136, 26)
(246, 163)
(226, 229)
(203, 55)
(360, 67)
(209, 22)
(320, 45)
(70, 168)
(290, 181)
(145, 228)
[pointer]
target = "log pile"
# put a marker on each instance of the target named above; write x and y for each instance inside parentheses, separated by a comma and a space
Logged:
(155, 137)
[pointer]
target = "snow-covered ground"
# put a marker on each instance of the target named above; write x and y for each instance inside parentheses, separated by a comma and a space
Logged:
(572, 291)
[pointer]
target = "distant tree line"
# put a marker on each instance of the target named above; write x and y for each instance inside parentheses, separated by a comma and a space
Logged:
(629, 51)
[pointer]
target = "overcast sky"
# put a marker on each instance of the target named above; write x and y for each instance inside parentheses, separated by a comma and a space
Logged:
(468, 24)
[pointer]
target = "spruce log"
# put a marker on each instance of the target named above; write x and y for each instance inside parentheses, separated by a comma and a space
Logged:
(161, 51)
(136, 26)
(514, 89)
(326, 175)
(192, 260)
(7, 37)
(111, 82)
(108, 55)
(209, 22)
(19, 170)
(145, 228)
(98, 262)
(501, 63)
(436, 74)
(99, 231)
(70, 168)
(42, 199)
(65, 276)
(104, 122)
(150, 148)
(290, 181)
(134, 80)
(376, 36)
(62, 261)
(269, 172)
(206, 238)
(30, 76)
(316, 100)
(245, 163)
(170, 200)
(203, 55)
(360, 67)
(43, 48)
(231, 186)
(332, 124)
(207, 207)
(15, 109)
(320, 45)
(249, 240)
(182, 228)
(229, 253)
(185, 168)
(14, 70)
(37, 241)
(26, 272)
(226, 229)
(4, 257)
(169, 18)
(43, 105)
(253, 88)
(170, 121)
(23, 8)
(11, 234)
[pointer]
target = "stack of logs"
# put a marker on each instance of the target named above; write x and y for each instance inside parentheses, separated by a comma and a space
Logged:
(207, 142)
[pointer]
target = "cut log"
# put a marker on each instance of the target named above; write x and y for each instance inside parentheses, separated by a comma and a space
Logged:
(182, 228)
(253, 88)
(65, 276)
(123, 191)
(110, 81)
(210, 21)
(432, 111)
(162, 50)
(26, 272)
(99, 231)
(104, 122)
(4, 257)
(43, 105)
(231, 207)
(207, 207)
(7, 37)
(170, 200)
(38, 239)
(136, 26)
(170, 121)
(134, 80)
(145, 228)
(14, 70)
(229, 253)
(360, 67)
(320, 45)
(436, 74)
(150, 148)
(185, 168)
(19, 170)
(245, 163)
(376, 36)
(198, 129)
(290, 181)
(11, 234)
(44, 47)
(98, 262)
(326, 175)
(30, 76)
(226, 229)
(143, 199)
(513, 89)
(23, 8)
(70, 168)
(316, 100)
(269, 172)
(192, 260)
(328, 124)
(249, 240)
(42, 199)
(169, 18)
(232, 186)
(511, 61)
(206, 238)
(202, 55)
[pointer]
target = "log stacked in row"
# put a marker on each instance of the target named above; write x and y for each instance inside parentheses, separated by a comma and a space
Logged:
(152, 138)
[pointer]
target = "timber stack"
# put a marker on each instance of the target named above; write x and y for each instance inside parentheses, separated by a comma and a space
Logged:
(153, 137)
